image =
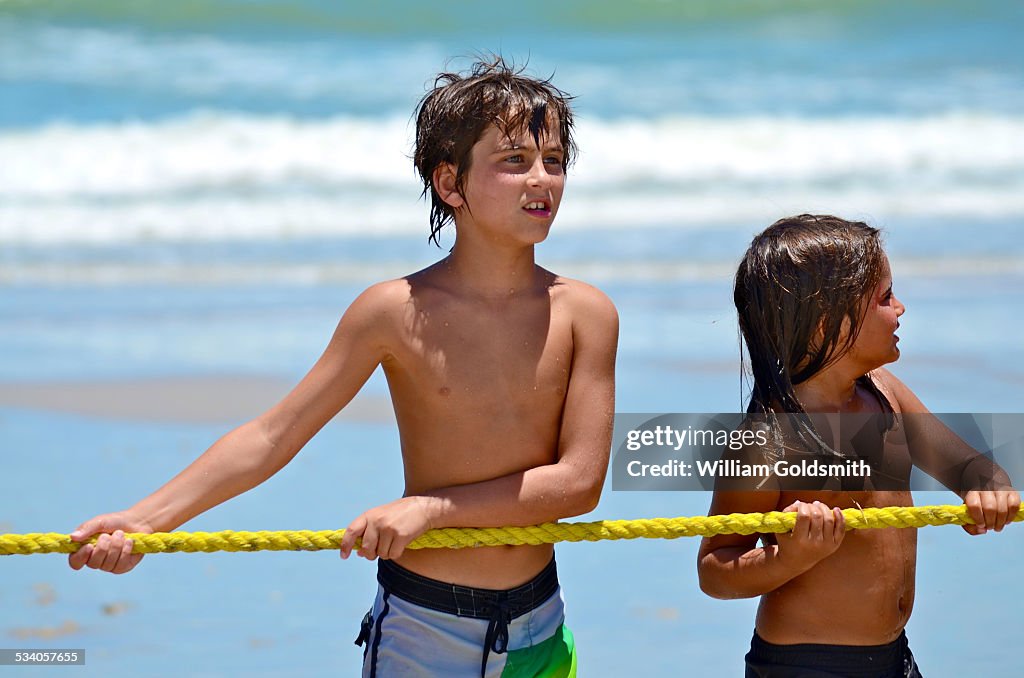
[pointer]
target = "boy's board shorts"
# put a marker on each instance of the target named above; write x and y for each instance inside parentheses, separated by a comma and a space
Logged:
(892, 660)
(424, 627)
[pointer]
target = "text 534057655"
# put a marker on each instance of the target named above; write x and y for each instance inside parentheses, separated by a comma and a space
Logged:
(37, 657)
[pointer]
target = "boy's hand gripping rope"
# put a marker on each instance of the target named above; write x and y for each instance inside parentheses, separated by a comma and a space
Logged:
(548, 533)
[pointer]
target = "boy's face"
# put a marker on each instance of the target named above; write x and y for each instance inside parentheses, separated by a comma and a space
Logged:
(513, 187)
(876, 342)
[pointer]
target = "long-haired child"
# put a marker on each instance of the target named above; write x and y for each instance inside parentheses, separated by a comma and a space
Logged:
(819, 318)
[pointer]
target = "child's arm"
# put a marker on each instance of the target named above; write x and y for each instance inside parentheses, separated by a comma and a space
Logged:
(949, 459)
(254, 451)
(734, 566)
(568, 487)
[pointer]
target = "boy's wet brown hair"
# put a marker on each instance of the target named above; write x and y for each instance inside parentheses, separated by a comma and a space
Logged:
(802, 281)
(452, 117)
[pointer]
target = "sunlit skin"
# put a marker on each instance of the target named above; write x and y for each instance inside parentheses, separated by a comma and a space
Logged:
(512, 192)
(820, 583)
(501, 374)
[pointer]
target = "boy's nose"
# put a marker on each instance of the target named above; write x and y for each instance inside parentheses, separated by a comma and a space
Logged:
(900, 308)
(538, 174)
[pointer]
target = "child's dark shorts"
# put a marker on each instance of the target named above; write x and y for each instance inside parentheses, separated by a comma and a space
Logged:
(809, 660)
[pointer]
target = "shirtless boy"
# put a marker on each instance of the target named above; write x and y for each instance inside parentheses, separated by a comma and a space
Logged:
(819, 319)
(502, 378)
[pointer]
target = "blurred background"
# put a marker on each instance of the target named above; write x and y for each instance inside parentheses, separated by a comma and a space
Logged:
(192, 193)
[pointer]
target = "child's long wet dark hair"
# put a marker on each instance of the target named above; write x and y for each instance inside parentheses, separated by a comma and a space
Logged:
(800, 284)
(453, 116)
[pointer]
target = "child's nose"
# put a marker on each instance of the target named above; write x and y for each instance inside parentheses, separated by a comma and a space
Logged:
(538, 174)
(900, 308)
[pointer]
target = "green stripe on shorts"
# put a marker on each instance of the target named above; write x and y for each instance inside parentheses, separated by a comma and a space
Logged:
(552, 658)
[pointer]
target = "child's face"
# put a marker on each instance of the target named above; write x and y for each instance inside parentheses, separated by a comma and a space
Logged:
(876, 344)
(513, 187)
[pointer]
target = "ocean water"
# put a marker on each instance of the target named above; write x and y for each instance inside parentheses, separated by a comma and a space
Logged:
(200, 189)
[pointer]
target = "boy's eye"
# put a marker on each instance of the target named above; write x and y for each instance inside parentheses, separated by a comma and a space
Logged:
(553, 160)
(514, 158)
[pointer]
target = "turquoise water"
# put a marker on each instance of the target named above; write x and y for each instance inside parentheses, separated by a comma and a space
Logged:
(200, 190)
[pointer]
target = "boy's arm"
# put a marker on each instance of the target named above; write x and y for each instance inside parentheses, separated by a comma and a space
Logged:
(256, 450)
(982, 484)
(734, 566)
(570, 486)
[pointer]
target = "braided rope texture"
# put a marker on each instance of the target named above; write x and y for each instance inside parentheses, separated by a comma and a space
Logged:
(548, 533)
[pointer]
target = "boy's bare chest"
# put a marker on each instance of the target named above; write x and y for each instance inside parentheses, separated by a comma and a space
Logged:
(482, 357)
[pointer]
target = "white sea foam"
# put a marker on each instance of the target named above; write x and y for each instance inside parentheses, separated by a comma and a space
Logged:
(220, 176)
(201, 153)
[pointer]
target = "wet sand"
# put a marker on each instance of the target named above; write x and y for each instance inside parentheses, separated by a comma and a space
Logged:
(184, 399)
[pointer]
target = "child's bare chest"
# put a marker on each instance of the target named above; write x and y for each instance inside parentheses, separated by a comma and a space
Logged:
(504, 358)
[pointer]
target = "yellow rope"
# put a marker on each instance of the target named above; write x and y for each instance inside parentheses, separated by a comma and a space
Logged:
(548, 533)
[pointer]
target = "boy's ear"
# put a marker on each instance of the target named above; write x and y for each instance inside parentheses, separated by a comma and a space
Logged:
(444, 184)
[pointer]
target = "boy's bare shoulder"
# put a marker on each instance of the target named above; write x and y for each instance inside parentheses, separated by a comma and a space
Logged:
(381, 298)
(387, 292)
(902, 399)
(377, 315)
(585, 302)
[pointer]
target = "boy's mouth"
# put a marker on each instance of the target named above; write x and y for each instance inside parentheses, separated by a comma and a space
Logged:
(538, 208)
